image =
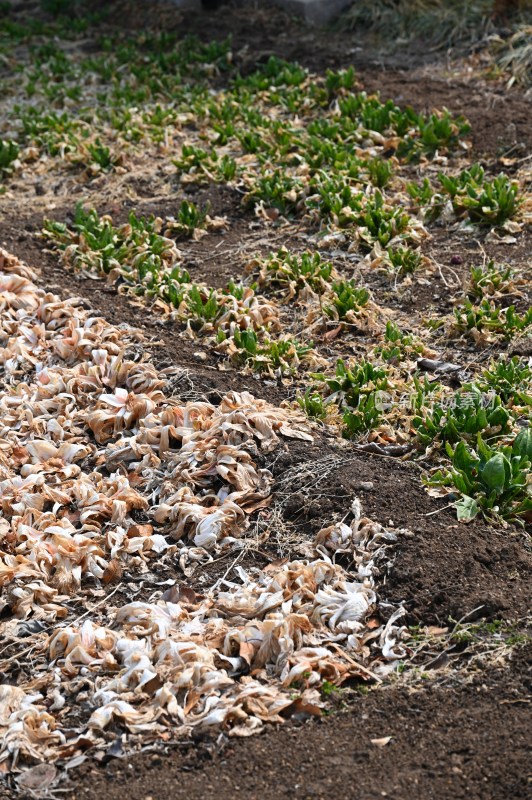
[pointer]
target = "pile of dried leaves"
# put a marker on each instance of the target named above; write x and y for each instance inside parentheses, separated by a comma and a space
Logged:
(104, 478)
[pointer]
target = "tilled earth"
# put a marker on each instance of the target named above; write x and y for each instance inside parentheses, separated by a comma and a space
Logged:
(458, 716)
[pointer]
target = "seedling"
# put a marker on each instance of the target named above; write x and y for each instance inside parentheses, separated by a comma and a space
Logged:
(380, 172)
(294, 273)
(189, 219)
(380, 223)
(511, 379)
(466, 414)
(358, 392)
(398, 345)
(102, 156)
(489, 280)
(494, 481)
(487, 202)
(9, 152)
(486, 316)
(313, 404)
(404, 260)
(262, 353)
(346, 300)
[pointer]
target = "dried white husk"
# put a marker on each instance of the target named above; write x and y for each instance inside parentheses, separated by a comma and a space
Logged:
(89, 440)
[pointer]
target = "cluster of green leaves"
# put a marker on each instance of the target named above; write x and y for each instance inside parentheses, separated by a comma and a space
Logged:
(293, 273)
(492, 480)
(488, 317)
(262, 353)
(345, 300)
(9, 152)
(465, 415)
(140, 256)
(137, 249)
(438, 131)
(510, 378)
(357, 390)
(397, 345)
(189, 218)
(206, 165)
(313, 404)
(487, 202)
(404, 260)
(488, 280)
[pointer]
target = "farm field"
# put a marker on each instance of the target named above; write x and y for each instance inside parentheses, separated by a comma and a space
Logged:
(265, 395)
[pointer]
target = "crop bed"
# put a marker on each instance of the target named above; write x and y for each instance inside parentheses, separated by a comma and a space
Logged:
(265, 392)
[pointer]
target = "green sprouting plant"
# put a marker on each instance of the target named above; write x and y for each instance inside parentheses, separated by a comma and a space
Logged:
(464, 415)
(486, 316)
(510, 378)
(486, 202)
(346, 300)
(497, 202)
(9, 152)
(404, 260)
(495, 481)
(101, 155)
(191, 158)
(358, 391)
(276, 189)
(457, 185)
(174, 286)
(294, 273)
(328, 689)
(426, 200)
(236, 290)
(189, 218)
(49, 129)
(334, 199)
(313, 404)
(226, 169)
(422, 194)
(202, 305)
(336, 82)
(488, 280)
(380, 223)
(275, 74)
(262, 353)
(380, 171)
(435, 132)
(364, 418)
(397, 344)
(99, 235)
(251, 141)
(136, 249)
(350, 383)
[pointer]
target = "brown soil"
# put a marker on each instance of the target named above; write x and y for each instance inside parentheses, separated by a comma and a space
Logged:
(448, 741)
(453, 735)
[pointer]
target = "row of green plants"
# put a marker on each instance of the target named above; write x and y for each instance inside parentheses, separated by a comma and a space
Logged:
(476, 426)
(475, 433)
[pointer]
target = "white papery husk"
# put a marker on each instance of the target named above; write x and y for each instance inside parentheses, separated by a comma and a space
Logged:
(88, 441)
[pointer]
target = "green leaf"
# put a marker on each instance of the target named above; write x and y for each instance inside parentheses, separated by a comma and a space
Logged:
(483, 449)
(466, 509)
(462, 460)
(462, 484)
(522, 445)
(494, 473)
